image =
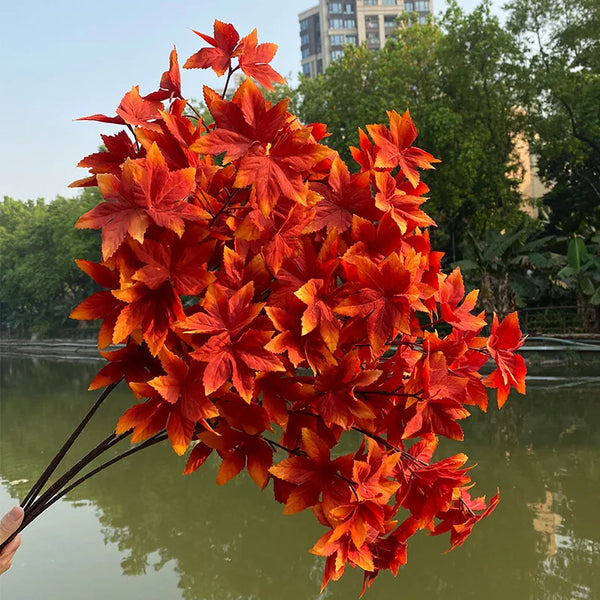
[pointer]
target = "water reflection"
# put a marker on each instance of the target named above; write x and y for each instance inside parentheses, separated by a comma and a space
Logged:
(184, 537)
(546, 522)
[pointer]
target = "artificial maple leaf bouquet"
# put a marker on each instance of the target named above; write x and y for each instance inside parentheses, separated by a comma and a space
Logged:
(268, 301)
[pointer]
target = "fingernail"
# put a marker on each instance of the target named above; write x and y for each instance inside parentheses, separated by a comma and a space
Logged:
(15, 514)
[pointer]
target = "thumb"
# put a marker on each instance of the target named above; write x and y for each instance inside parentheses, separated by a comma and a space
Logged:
(10, 523)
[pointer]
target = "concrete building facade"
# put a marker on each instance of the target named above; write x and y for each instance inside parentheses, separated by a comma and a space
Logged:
(327, 27)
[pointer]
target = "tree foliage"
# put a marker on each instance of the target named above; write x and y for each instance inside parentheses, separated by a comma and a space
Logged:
(39, 281)
(560, 90)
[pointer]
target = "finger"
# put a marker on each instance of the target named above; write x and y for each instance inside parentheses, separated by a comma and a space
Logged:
(5, 564)
(10, 523)
(8, 552)
(11, 547)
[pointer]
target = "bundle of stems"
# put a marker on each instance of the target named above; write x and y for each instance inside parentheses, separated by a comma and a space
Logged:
(36, 501)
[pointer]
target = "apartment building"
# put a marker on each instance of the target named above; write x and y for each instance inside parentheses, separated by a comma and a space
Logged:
(325, 28)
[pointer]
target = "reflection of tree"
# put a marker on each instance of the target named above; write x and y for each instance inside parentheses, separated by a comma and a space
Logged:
(232, 542)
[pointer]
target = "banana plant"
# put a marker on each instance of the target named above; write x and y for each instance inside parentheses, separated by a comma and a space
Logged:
(512, 267)
(582, 271)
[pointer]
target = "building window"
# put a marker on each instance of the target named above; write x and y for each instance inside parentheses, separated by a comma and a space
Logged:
(336, 23)
(422, 20)
(409, 7)
(371, 2)
(304, 39)
(335, 7)
(422, 6)
(351, 39)
(390, 2)
(304, 25)
(306, 69)
(306, 52)
(350, 23)
(336, 40)
(319, 65)
(389, 21)
(372, 22)
(349, 9)
(335, 54)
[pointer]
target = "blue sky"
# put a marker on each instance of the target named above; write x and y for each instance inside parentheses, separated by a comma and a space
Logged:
(63, 59)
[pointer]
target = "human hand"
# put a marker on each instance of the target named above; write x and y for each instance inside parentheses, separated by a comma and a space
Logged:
(8, 525)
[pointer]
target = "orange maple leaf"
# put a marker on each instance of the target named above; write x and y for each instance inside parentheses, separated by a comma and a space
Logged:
(402, 207)
(394, 146)
(218, 57)
(254, 59)
(147, 192)
(505, 340)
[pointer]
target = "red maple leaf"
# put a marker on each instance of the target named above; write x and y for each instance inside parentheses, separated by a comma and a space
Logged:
(119, 147)
(281, 168)
(146, 192)
(505, 340)
(394, 147)
(255, 58)
(218, 57)
(402, 207)
(100, 305)
(299, 347)
(344, 196)
(175, 261)
(461, 518)
(136, 111)
(283, 242)
(151, 312)
(313, 473)
(170, 82)
(364, 155)
(452, 293)
(233, 351)
(238, 450)
(335, 399)
(241, 123)
(133, 363)
(437, 401)
(319, 312)
(432, 488)
(181, 387)
(145, 419)
(385, 294)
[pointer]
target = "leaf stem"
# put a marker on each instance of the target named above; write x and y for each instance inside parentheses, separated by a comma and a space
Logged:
(39, 484)
(50, 497)
(229, 74)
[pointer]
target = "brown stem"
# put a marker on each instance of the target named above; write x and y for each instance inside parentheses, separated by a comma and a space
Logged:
(198, 115)
(223, 207)
(40, 505)
(99, 449)
(39, 484)
(229, 74)
(464, 504)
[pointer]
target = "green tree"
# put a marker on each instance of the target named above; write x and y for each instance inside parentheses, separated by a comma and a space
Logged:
(39, 280)
(346, 97)
(560, 45)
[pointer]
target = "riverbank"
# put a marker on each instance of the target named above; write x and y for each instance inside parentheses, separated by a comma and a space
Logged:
(56, 349)
(537, 350)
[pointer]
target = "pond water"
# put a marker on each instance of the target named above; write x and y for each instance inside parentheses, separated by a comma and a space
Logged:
(142, 530)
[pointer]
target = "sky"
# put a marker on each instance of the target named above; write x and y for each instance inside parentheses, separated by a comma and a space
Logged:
(64, 59)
